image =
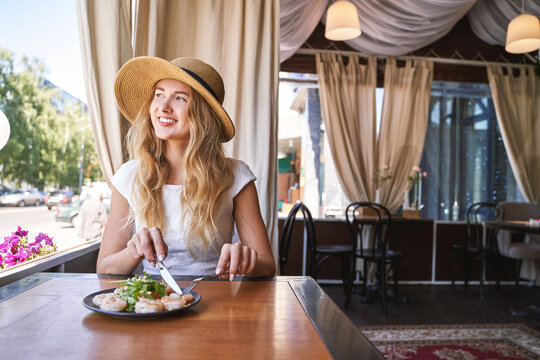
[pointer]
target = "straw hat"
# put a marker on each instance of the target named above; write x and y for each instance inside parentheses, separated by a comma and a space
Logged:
(137, 77)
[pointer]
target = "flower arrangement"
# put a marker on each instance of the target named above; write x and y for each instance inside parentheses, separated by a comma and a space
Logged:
(415, 184)
(382, 175)
(17, 248)
(416, 176)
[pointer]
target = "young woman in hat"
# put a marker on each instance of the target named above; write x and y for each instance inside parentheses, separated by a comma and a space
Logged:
(179, 198)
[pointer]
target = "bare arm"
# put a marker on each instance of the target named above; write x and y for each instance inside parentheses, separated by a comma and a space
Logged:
(253, 256)
(120, 253)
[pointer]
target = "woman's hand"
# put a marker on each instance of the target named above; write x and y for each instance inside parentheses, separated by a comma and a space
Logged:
(238, 259)
(148, 244)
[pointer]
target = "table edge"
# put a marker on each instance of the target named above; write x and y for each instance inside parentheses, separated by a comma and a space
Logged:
(339, 337)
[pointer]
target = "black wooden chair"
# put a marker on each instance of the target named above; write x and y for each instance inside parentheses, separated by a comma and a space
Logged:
(362, 216)
(318, 254)
(474, 249)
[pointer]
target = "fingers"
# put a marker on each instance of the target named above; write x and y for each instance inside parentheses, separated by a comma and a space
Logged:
(160, 248)
(223, 261)
(148, 243)
(239, 259)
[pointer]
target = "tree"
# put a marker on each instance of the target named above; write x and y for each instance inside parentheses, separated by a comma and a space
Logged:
(47, 130)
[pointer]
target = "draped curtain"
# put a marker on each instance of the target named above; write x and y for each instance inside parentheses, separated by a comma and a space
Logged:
(517, 103)
(298, 19)
(347, 94)
(105, 37)
(404, 118)
(239, 38)
(397, 27)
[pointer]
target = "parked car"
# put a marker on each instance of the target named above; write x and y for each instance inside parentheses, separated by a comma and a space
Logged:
(58, 197)
(3, 189)
(17, 197)
(69, 213)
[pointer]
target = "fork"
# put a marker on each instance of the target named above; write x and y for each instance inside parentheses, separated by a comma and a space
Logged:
(194, 282)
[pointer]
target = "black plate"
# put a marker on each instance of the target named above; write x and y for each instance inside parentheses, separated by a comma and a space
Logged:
(87, 302)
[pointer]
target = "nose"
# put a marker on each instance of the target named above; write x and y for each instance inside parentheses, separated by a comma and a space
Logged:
(165, 105)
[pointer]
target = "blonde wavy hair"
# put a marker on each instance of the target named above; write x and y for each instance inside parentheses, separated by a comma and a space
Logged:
(206, 173)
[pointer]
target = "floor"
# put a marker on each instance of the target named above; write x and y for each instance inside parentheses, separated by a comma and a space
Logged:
(437, 304)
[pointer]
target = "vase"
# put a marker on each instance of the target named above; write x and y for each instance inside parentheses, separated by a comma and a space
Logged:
(377, 196)
(406, 199)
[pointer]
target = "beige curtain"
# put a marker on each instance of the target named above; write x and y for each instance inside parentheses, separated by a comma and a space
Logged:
(105, 37)
(517, 103)
(347, 94)
(404, 118)
(239, 38)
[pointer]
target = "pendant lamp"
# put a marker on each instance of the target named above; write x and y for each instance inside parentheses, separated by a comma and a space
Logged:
(342, 21)
(523, 34)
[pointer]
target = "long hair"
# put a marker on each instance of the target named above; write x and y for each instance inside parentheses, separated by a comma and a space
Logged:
(206, 173)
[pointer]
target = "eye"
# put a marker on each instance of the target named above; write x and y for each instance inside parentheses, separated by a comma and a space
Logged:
(181, 98)
(158, 94)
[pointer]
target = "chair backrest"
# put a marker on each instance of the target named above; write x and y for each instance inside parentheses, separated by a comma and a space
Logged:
(363, 214)
(519, 211)
(514, 211)
(475, 214)
(285, 239)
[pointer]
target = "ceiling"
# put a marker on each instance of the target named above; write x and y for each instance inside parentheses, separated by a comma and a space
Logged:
(460, 44)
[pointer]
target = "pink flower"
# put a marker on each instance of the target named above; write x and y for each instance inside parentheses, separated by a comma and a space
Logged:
(16, 249)
(20, 232)
(41, 237)
(386, 167)
(416, 169)
(425, 174)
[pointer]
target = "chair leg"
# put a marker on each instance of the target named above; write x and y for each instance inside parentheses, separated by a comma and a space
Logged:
(351, 272)
(482, 270)
(345, 269)
(518, 269)
(466, 260)
(395, 269)
(364, 279)
(453, 268)
(312, 267)
(499, 264)
(382, 265)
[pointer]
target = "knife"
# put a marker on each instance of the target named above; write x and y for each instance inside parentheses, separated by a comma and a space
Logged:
(167, 277)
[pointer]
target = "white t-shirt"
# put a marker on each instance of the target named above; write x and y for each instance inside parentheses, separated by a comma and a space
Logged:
(179, 261)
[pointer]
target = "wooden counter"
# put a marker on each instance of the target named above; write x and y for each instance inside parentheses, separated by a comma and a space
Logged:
(413, 237)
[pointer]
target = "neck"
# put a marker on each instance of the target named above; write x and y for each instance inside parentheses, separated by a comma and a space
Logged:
(174, 154)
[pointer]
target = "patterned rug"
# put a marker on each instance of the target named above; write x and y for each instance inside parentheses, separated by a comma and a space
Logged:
(453, 342)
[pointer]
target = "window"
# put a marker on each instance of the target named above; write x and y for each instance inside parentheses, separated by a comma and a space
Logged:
(305, 166)
(463, 153)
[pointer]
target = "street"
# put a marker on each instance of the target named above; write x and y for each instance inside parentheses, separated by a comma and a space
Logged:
(37, 219)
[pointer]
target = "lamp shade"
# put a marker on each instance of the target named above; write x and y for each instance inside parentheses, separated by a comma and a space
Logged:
(342, 21)
(4, 129)
(523, 34)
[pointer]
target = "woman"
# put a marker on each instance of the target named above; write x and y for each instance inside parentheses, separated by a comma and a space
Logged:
(179, 197)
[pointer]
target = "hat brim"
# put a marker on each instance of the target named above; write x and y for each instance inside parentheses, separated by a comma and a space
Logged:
(137, 77)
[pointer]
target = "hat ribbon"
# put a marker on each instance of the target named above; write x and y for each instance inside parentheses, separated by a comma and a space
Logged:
(202, 82)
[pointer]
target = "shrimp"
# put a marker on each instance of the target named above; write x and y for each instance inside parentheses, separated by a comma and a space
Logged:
(145, 305)
(173, 302)
(113, 302)
(188, 297)
(98, 299)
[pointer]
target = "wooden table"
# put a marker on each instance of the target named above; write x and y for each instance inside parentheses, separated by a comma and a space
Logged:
(42, 316)
(512, 225)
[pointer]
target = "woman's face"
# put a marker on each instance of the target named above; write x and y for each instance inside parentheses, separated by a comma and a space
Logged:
(168, 110)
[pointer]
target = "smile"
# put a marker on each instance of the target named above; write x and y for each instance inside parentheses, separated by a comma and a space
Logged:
(165, 120)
